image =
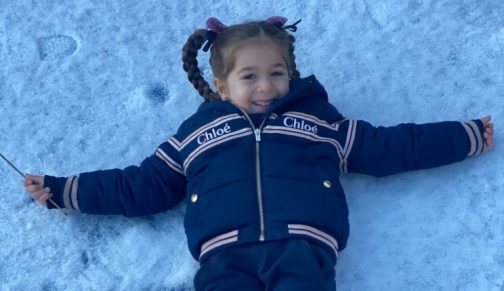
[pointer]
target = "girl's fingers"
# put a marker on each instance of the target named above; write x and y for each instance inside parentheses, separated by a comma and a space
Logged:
(35, 179)
(38, 194)
(488, 145)
(43, 199)
(33, 183)
(488, 140)
(491, 130)
(33, 188)
(27, 182)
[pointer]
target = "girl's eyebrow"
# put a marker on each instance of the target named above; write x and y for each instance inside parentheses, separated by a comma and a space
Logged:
(252, 67)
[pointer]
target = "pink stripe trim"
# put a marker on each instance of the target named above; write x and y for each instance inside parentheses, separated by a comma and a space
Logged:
(66, 192)
(315, 233)
(207, 126)
(307, 233)
(350, 146)
(352, 126)
(204, 147)
(174, 143)
(171, 163)
(219, 240)
(472, 139)
(479, 140)
(75, 202)
(220, 243)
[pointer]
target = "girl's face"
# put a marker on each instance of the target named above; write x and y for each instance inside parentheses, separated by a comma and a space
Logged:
(258, 77)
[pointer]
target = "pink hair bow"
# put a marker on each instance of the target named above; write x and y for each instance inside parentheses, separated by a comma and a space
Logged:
(215, 25)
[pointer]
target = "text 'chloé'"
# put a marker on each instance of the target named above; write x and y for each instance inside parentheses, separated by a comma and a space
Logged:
(295, 123)
(213, 133)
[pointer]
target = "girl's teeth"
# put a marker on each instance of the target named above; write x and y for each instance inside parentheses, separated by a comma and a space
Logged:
(262, 103)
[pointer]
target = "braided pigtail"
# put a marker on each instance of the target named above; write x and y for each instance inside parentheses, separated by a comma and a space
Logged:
(189, 57)
(294, 72)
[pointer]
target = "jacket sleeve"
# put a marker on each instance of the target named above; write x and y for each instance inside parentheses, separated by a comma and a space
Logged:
(156, 185)
(381, 151)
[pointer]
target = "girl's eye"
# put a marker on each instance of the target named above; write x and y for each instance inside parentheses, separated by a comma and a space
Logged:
(249, 77)
(277, 73)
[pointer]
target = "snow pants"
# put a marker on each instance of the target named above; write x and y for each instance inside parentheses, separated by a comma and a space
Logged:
(283, 265)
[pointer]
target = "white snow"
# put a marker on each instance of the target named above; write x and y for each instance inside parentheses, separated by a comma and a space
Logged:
(87, 85)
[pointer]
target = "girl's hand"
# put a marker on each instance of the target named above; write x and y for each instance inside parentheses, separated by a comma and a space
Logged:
(488, 133)
(34, 186)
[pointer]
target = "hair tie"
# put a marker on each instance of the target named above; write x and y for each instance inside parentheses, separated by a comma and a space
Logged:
(214, 27)
(292, 27)
(280, 21)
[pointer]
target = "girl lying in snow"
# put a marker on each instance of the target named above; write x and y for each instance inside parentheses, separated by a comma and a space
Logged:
(258, 165)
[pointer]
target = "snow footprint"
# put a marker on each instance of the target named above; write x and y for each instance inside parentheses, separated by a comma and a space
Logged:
(157, 92)
(56, 47)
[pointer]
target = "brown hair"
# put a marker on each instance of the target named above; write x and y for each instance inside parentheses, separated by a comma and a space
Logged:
(222, 48)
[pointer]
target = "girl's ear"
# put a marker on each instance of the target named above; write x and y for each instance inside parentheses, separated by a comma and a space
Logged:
(221, 88)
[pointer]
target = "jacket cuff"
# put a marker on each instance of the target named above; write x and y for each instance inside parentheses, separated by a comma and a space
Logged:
(64, 191)
(475, 130)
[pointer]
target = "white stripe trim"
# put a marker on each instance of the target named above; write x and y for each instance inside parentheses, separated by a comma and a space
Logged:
(315, 233)
(214, 142)
(174, 143)
(336, 124)
(218, 241)
(169, 161)
(207, 126)
(352, 126)
(472, 139)
(73, 194)
(66, 192)
(477, 133)
(311, 118)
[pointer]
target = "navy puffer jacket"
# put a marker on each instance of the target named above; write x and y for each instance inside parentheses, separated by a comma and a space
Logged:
(279, 178)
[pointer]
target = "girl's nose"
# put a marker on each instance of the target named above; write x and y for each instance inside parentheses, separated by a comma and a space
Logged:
(265, 85)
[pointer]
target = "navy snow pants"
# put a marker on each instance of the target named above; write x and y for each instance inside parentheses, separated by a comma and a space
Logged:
(283, 265)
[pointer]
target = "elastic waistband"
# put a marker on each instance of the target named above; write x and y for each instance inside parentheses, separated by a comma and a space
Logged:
(218, 241)
(225, 239)
(315, 233)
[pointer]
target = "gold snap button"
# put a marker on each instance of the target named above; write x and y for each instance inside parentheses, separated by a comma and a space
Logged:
(194, 198)
(327, 184)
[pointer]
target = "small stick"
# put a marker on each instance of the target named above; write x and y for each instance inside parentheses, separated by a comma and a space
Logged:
(12, 165)
(24, 176)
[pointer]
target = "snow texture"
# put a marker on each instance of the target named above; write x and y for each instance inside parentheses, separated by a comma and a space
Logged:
(87, 85)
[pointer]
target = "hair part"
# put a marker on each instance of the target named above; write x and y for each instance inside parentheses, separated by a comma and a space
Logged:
(223, 48)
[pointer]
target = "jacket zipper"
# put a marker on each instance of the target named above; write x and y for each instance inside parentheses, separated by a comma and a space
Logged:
(257, 133)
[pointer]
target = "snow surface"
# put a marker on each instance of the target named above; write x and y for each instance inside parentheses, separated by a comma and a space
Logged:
(90, 84)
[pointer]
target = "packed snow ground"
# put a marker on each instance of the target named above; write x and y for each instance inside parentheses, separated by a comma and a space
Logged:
(87, 85)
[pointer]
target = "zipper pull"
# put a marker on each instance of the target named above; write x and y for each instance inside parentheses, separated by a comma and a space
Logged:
(257, 132)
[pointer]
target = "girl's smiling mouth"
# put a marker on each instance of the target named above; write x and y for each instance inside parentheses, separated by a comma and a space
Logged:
(263, 103)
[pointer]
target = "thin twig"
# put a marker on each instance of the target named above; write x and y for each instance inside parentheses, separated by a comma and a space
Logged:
(24, 176)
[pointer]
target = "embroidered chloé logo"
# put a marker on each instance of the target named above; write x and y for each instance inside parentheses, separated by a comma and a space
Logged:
(295, 123)
(213, 133)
